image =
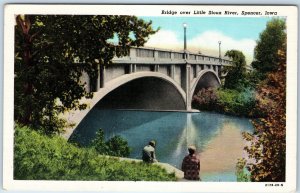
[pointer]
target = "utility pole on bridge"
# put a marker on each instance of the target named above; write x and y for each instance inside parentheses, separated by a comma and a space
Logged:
(184, 44)
(220, 59)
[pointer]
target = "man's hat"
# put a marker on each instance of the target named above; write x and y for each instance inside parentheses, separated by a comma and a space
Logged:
(152, 142)
(192, 147)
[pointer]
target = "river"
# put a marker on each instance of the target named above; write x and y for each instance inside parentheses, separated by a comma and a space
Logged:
(217, 137)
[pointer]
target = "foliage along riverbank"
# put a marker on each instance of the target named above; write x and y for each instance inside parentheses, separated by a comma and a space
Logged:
(41, 157)
(226, 101)
(236, 96)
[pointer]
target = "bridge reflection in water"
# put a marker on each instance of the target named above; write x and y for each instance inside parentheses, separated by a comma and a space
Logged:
(217, 137)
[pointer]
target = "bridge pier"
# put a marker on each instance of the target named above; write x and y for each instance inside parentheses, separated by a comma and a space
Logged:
(185, 76)
(188, 86)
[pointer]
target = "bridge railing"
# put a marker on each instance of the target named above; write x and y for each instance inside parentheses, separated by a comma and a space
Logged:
(153, 54)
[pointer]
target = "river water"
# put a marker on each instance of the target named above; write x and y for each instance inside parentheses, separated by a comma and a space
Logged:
(218, 138)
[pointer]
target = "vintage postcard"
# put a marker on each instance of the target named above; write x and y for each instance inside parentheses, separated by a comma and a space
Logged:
(150, 98)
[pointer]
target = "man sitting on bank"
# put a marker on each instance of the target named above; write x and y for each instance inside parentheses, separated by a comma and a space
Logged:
(149, 153)
(191, 165)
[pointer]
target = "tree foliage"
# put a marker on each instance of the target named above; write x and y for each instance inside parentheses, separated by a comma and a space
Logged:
(236, 73)
(268, 143)
(52, 51)
(270, 41)
(242, 175)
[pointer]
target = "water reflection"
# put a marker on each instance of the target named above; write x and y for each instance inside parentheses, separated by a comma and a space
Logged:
(222, 151)
(217, 137)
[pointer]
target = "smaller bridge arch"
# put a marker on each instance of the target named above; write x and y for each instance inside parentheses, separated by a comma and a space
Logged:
(206, 78)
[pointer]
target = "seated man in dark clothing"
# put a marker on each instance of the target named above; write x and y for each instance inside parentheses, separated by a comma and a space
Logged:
(149, 153)
(191, 165)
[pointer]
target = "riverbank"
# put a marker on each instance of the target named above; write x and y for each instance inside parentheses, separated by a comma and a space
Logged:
(169, 168)
(41, 157)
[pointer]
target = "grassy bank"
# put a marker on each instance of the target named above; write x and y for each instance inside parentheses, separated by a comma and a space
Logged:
(40, 157)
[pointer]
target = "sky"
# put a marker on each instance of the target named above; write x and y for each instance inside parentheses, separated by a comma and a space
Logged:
(204, 33)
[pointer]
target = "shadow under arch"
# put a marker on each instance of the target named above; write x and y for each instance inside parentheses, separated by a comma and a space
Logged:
(154, 91)
(206, 78)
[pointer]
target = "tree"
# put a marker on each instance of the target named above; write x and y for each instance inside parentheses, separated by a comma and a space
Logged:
(236, 73)
(268, 143)
(270, 41)
(52, 51)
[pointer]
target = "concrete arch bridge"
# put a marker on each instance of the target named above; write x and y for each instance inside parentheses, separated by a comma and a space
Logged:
(151, 79)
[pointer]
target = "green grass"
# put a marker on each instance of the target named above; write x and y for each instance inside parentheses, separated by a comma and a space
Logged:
(40, 157)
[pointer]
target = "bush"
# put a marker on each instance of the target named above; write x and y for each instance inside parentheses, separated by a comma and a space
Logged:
(228, 101)
(206, 99)
(236, 103)
(116, 146)
(40, 157)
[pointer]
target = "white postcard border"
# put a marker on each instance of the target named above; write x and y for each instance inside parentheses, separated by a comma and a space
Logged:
(146, 10)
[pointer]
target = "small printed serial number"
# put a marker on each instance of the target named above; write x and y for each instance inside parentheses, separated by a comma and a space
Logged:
(273, 184)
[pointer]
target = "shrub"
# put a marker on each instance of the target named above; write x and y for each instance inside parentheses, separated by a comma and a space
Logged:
(228, 101)
(205, 99)
(235, 102)
(40, 157)
(116, 146)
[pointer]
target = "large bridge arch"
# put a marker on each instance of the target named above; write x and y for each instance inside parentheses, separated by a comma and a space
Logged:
(206, 78)
(151, 91)
(77, 116)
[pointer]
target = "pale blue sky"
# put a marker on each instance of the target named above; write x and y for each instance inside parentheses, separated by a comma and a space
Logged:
(236, 27)
(203, 33)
